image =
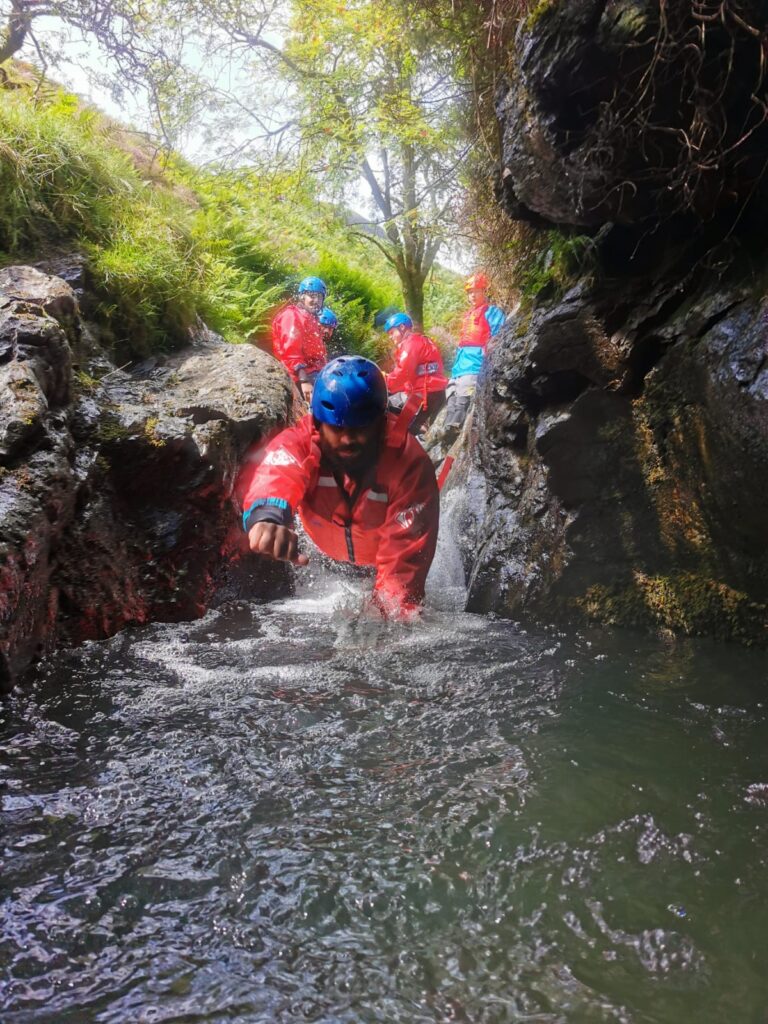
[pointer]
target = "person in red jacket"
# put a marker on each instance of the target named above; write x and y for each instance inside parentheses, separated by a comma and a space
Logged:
(297, 335)
(418, 371)
(480, 324)
(364, 489)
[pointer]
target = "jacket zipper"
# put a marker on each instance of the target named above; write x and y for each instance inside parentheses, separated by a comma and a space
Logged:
(350, 545)
(351, 500)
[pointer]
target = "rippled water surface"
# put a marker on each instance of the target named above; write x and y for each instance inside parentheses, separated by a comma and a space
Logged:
(283, 813)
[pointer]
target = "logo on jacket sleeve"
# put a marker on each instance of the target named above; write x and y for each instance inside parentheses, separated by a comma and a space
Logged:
(410, 518)
(280, 457)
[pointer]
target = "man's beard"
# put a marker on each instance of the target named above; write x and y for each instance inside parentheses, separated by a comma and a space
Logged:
(353, 464)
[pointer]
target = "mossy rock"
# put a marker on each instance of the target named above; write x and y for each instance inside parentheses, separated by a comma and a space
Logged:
(537, 12)
(683, 602)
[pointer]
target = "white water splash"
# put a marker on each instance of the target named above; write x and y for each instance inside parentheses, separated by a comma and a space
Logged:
(328, 588)
(446, 583)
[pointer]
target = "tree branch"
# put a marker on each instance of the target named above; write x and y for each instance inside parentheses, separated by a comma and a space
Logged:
(390, 228)
(392, 258)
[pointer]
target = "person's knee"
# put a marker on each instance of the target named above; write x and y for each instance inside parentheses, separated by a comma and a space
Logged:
(457, 411)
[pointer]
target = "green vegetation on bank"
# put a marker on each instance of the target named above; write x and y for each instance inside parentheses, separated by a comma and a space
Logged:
(551, 261)
(167, 247)
(63, 183)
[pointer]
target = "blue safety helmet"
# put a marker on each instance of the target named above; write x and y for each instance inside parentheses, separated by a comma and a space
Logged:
(313, 284)
(398, 320)
(327, 317)
(349, 392)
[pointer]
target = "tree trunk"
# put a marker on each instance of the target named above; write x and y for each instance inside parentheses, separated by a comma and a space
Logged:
(413, 295)
(410, 246)
(13, 35)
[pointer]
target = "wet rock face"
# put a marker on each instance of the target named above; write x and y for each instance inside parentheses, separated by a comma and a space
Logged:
(622, 425)
(52, 295)
(35, 354)
(115, 487)
(625, 110)
(623, 488)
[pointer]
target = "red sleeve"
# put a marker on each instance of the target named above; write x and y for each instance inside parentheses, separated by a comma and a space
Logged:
(403, 377)
(288, 340)
(408, 540)
(280, 472)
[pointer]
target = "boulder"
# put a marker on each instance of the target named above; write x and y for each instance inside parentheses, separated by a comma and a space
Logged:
(53, 295)
(622, 422)
(22, 410)
(629, 496)
(116, 487)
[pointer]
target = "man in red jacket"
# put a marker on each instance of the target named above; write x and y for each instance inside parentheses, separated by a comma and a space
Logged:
(418, 370)
(297, 335)
(364, 488)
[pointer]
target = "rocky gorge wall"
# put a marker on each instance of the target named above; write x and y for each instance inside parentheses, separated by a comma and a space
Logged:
(619, 451)
(115, 486)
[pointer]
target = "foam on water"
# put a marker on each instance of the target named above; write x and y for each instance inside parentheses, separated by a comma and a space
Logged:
(291, 811)
(329, 588)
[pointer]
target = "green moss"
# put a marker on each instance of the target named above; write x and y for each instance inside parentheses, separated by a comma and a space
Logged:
(538, 10)
(523, 322)
(85, 381)
(684, 602)
(150, 432)
(111, 431)
(682, 523)
(550, 262)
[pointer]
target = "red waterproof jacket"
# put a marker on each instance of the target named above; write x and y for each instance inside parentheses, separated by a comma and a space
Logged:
(479, 324)
(418, 366)
(297, 341)
(389, 519)
(475, 329)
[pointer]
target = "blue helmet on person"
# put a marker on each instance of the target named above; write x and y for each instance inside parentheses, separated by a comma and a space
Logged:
(398, 320)
(349, 392)
(313, 284)
(328, 318)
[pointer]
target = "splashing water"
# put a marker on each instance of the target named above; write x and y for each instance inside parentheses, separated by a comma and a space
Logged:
(292, 811)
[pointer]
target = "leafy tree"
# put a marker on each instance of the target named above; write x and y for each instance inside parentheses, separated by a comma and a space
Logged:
(376, 95)
(350, 91)
(155, 50)
(371, 93)
(121, 27)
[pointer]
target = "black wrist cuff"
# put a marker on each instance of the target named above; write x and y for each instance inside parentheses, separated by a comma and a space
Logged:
(267, 514)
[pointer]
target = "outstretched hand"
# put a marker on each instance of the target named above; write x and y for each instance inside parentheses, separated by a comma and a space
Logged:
(278, 542)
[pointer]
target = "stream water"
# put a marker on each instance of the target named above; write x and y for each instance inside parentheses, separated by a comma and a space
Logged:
(288, 812)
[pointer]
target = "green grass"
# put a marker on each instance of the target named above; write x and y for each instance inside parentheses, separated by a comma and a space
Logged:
(65, 182)
(178, 244)
(282, 234)
(59, 178)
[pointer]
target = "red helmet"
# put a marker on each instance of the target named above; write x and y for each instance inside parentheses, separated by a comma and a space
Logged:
(478, 281)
